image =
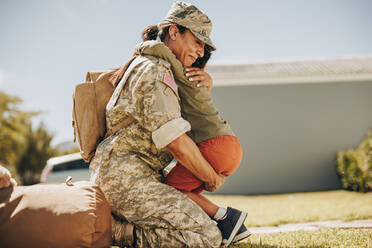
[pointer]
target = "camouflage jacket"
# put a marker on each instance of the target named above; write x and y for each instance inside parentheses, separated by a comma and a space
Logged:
(148, 97)
(196, 103)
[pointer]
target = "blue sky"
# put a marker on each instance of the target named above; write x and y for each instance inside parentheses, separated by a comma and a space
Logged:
(47, 46)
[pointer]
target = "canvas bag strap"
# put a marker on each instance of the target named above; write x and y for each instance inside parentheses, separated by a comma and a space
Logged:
(119, 126)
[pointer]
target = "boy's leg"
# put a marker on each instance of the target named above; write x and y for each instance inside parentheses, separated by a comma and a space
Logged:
(182, 179)
(209, 207)
(224, 153)
(230, 220)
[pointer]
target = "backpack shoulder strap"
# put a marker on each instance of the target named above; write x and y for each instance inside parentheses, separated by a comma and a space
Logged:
(120, 126)
(118, 73)
(138, 60)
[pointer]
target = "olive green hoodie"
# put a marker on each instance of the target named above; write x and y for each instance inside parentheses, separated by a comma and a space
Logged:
(196, 103)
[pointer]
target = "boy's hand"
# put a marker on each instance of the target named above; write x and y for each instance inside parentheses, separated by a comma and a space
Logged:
(200, 77)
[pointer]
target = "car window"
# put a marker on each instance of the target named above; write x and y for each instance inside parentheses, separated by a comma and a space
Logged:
(71, 165)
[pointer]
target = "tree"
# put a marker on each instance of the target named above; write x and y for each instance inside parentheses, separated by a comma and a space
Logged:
(37, 151)
(23, 150)
(12, 127)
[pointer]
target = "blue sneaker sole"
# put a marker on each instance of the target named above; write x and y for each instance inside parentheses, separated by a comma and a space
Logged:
(242, 236)
(240, 221)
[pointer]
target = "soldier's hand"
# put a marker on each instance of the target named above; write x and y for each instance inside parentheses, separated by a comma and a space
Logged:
(200, 77)
(219, 181)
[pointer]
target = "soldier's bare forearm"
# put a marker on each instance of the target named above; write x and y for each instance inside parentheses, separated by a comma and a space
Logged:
(187, 153)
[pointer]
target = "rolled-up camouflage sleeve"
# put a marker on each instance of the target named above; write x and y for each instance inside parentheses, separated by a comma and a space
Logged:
(161, 108)
(169, 132)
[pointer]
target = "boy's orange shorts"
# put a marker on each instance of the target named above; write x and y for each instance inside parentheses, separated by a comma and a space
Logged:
(224, 154)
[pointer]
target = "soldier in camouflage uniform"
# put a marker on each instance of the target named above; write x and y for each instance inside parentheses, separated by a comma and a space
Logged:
(127, 165)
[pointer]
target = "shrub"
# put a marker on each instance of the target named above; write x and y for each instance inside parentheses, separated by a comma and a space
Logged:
(355, 166)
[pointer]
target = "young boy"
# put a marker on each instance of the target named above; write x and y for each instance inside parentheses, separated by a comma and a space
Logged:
(214, 137)
(216, 141)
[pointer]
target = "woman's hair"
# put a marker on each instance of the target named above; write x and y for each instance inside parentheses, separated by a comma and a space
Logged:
(152, 32)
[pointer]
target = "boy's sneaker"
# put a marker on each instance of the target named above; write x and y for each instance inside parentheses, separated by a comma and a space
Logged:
(241, 234)
(230, 225)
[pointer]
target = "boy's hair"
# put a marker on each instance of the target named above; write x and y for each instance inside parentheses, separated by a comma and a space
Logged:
(201, 62)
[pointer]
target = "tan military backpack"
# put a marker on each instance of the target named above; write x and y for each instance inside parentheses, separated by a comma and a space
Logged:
(89, 106)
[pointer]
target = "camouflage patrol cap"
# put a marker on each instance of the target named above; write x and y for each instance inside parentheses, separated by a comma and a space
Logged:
(192, 18)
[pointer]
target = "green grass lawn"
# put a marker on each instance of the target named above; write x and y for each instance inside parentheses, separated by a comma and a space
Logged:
(271, 210)
(350, 238)
(326, 238)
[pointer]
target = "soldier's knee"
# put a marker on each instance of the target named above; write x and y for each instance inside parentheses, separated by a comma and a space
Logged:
(213, 235)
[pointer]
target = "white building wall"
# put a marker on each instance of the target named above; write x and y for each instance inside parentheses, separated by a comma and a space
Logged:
(290, 133)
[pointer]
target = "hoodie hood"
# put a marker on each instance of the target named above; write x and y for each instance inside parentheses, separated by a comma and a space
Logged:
(159, 49)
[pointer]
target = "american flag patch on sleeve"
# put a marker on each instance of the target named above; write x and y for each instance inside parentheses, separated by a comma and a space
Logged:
(170, 82)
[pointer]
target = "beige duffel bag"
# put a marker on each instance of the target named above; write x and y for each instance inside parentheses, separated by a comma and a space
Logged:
(54, 215)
